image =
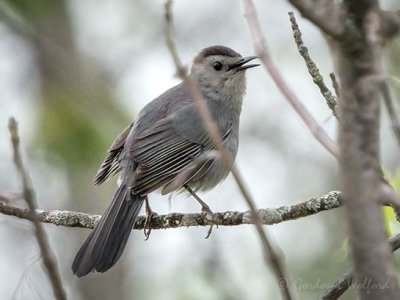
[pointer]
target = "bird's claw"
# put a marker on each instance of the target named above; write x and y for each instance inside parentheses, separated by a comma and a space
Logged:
(149, 215)
(147, 227)
(206, 209)
(210, 230)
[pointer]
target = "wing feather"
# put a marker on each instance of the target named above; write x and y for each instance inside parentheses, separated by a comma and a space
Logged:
(162, 163)
(110, 165)
(168, 147)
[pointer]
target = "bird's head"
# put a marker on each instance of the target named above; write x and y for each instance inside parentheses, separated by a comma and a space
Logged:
(220, 72)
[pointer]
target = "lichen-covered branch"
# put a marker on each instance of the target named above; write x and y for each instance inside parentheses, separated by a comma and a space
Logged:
(267, 216)
(312, 67)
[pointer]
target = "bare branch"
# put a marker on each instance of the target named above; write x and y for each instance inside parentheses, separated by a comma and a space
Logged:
(335, 84)
(272, 253)
(389, 103)
(344, 282)
(390, 23)
(263, 53)
(312, 67)
(29, 196)
(390, 197)
(268, 216)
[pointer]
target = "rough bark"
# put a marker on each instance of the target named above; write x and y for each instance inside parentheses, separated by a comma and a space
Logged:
(267, 216)
(359, 54)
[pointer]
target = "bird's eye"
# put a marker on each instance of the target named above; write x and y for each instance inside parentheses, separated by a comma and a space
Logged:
(217, 66)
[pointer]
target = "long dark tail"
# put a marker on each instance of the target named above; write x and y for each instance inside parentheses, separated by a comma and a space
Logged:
(106, 242)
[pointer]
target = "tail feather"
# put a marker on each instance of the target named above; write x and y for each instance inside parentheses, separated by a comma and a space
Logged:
(106, 242)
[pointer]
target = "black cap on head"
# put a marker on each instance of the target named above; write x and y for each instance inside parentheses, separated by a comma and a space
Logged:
(216, 50)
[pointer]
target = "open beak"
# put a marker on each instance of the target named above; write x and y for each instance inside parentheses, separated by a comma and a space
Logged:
(241, 64)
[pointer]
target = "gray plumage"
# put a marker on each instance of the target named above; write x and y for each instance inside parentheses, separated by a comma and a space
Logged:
(166, 148)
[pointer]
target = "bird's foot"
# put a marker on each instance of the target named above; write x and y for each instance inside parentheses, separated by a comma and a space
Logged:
(204, 208)
(149, 215)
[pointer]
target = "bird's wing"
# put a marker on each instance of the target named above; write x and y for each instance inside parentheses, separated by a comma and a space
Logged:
(165, 148)
(110, 165)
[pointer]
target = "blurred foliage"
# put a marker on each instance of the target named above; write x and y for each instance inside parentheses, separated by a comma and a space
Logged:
(78, 118)
(391, 223)
(78, 128)
(69, 134)
(394, 180)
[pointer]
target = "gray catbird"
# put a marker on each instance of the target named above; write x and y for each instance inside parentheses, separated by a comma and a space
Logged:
(168, 147)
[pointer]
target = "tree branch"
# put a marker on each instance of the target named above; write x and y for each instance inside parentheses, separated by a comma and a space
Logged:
(344, 282)
(30, 198)
(272, 252)
(312, 67)
(264, 55)
(389, 103)
(359, 61)
(390, 23)
(335, 84)
(268, 216)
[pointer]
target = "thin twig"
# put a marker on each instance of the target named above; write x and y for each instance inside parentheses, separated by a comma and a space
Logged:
(312, 67)
(344, 282)
(390, 197)
(267, 216)
(263, 53)
(389, 103)
(30, 198)
(272, 253)
(335, 84)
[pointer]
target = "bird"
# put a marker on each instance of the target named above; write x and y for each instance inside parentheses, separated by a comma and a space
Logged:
(168, 148)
